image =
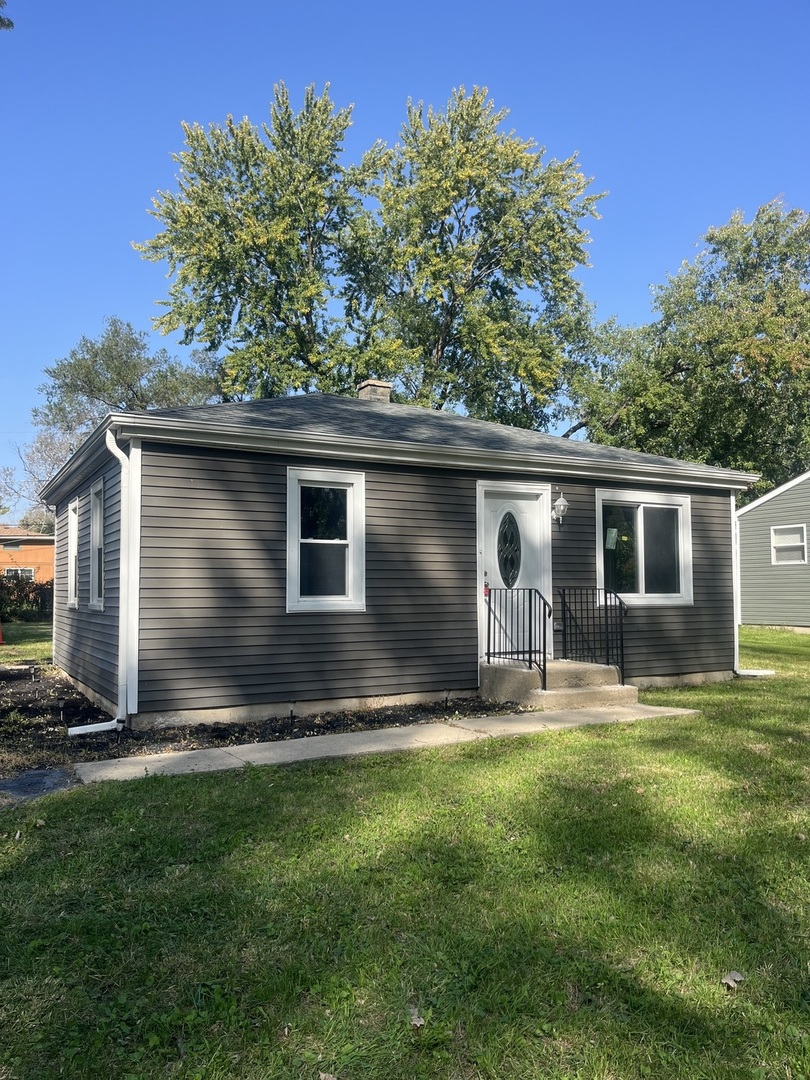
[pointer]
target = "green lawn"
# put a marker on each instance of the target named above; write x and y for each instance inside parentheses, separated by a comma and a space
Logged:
(26, 641)
(561, 906)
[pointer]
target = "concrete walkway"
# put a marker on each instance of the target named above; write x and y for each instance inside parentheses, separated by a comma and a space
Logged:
(382, 741)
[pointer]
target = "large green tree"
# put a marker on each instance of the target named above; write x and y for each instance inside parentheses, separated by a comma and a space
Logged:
(114, 373)
(252, 239)
(722, 376)
(460, 275)
(445, 262)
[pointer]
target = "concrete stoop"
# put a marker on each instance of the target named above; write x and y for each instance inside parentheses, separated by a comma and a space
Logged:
(570, 685)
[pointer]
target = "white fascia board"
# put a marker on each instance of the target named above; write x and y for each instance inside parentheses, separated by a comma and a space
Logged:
(772, 494)
(314, 444)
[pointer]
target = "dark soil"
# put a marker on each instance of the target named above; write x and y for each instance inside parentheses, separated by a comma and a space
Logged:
(33, 729)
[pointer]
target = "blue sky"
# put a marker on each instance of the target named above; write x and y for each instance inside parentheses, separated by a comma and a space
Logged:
(682, 112)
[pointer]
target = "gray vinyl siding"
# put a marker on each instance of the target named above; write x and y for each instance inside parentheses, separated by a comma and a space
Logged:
(774, 595)
(673, 640)
(86, 642)
(214, 630)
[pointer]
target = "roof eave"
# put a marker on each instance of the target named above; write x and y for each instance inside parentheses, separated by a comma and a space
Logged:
(311, 444)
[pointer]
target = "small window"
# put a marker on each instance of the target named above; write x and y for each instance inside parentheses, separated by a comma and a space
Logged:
(97, 546)
(325, 540)
(73, 554)
(26, 572)
(788, 545)
(644, 551)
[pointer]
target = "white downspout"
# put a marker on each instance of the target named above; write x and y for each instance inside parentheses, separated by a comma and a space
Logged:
(735, 563)
(121, 711)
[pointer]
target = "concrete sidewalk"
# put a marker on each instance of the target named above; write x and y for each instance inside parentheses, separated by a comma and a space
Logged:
(382, 741)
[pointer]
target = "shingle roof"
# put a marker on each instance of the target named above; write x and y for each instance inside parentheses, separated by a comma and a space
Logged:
(332, 416)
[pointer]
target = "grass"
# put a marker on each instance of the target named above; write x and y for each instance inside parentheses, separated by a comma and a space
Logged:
(26, 641)
(561, 906)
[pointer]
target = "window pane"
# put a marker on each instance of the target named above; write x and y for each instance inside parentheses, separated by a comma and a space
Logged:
(619, 539)
(323, 513)
(788, 554)
(661, 561)
(323, 569)
(788, 535)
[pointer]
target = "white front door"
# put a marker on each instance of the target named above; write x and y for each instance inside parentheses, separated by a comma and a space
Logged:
(514, 553)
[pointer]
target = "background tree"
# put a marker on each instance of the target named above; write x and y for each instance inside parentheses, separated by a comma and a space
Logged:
(5, 22)
(252, 239)
(460, 280)
(723, 375)
(452, 254)
(115, 373)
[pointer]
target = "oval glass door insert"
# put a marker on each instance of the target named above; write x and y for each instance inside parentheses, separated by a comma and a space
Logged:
(509, 549)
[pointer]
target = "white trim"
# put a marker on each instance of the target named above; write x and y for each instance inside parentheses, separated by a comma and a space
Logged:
(772, 494)
(735, 578)
(73, 555)
(802, 544)
(683, 504)
(511, 487)
(17, 571)
(96, 543)
(133, 585)
(354, 484)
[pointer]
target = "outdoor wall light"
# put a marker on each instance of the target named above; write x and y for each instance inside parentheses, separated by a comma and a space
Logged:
(560, 510)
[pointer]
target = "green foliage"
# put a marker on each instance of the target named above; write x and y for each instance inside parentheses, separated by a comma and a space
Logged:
(25, 600)
(460, 279)
(252, 238)
(5, 22)
(452, 254)
(116, 373)
(723, 375)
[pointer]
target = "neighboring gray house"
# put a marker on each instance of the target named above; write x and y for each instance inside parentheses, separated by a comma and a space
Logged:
(774, 569)
(249, 559)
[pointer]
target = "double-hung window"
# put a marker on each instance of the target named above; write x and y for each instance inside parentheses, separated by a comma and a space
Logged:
(73, 554)
(325, 540)
(644, 546)
(788, 544)
(97, 546)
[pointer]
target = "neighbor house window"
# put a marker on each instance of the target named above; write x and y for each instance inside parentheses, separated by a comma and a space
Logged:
(97, 546)
(644, 547)
(73, 554)
(325, 540)
(788, 544)
(26, 572)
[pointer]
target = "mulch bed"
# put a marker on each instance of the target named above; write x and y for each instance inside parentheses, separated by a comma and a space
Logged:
(33, 730)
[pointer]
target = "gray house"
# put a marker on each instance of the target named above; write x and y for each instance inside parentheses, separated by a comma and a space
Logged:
(774, 571)
(300, 553)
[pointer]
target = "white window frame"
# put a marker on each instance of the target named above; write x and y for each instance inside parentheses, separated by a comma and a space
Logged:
(354, 483)
(97, 547)
(73, 554)
(26, 572)
(636, 499)
(803, 545)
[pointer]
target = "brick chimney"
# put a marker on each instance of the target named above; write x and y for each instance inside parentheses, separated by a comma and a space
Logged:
(375, 390)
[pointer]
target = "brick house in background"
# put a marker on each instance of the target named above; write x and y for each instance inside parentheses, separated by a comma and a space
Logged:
(25, 554)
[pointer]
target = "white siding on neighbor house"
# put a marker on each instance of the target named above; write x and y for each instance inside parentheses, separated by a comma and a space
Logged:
(774, 594)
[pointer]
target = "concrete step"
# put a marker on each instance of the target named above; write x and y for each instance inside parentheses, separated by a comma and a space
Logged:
(570, 673)
(571, 682)
(581, 697)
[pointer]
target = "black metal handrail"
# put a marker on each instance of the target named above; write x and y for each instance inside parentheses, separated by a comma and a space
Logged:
(592, 624)
(517, 627)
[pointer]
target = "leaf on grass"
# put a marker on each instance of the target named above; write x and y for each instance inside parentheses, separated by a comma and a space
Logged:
(417, 1021)
(326, 1076)
(17, 834)
(801, 837)
(39, 822)
(731, 980)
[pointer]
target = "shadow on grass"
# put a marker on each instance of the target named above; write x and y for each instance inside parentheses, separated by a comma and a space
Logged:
(552, 909)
